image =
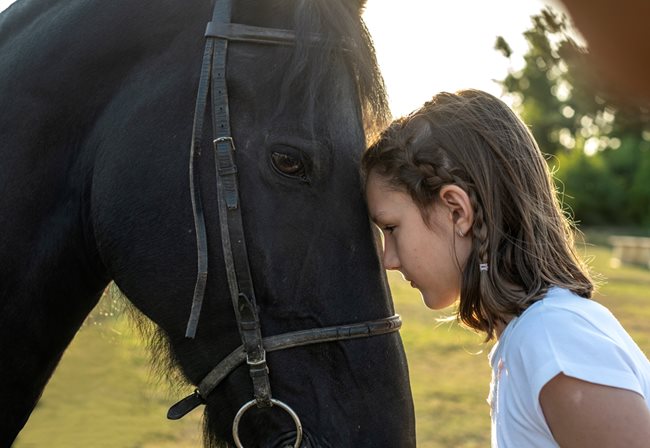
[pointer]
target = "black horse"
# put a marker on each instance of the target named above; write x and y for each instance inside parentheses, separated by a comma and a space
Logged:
(97, 99)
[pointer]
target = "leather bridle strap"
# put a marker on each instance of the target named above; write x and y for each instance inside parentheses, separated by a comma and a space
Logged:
(195, 191)
(233, 239)
(271, 36)
(213, 79)
(218, 32)
(248, 33)
(281, 342)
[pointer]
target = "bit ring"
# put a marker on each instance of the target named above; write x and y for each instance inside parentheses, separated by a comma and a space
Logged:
(274, 402)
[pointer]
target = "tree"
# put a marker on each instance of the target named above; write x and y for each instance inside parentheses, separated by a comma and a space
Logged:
(602, 140)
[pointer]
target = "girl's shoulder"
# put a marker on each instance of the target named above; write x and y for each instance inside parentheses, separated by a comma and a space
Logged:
(566, 333)
(560, 327)
(564, 329)
(561, 311)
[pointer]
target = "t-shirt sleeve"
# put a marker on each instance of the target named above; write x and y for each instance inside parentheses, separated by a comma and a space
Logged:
(589, 349)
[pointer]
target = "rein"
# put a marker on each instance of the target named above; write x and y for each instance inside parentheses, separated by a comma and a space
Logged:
(253, 349)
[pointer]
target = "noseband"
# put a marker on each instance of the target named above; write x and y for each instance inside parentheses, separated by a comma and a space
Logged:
(253, 349)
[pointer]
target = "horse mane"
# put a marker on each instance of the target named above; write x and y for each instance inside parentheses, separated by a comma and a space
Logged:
(165, 370)
(164, 367)
(311, 65)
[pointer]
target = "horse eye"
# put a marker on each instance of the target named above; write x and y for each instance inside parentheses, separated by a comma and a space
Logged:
(288, 165)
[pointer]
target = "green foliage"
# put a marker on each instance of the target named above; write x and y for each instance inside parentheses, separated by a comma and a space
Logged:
(640, 191)
(588, 190)
(601, 142)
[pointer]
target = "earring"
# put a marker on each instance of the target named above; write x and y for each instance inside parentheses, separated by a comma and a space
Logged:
(460, 233)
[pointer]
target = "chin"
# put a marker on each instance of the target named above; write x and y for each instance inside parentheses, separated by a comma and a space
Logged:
(429, 301)
(436, 303)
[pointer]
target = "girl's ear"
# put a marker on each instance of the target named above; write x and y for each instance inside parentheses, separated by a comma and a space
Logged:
(457, 202)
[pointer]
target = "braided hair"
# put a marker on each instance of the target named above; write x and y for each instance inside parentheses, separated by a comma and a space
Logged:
(473, 140)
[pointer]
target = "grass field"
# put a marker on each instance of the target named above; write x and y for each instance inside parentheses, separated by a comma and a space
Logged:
(103, 395)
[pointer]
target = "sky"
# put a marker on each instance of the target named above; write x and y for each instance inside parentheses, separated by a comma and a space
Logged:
(427, 46)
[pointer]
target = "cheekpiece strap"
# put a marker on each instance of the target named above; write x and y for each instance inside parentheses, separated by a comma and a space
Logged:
(233, 240)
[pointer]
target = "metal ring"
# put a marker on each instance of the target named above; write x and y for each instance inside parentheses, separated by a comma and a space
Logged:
(274, 402)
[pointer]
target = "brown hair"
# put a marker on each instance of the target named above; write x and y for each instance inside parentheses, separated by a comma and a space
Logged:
(473, 140)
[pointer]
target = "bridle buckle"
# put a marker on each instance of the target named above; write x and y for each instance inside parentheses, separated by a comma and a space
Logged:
(225, 139)
(256, 362)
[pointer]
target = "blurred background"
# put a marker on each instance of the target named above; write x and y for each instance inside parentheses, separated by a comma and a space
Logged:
(598, 144)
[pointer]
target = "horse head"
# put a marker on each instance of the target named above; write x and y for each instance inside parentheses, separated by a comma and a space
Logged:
(298, 114)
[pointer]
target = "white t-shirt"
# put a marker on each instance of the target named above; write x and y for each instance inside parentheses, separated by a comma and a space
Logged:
(562, 333)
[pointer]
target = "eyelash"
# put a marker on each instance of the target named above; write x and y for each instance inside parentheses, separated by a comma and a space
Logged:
(388, 229)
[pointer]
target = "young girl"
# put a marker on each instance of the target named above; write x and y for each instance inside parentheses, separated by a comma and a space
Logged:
(468, 209)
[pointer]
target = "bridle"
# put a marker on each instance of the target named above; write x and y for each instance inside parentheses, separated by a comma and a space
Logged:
(253, 349)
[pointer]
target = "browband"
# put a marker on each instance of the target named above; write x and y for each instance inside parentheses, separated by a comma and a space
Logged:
(271, 36)
(249, 33)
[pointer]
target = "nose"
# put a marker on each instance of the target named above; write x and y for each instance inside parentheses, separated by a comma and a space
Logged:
(390, 258)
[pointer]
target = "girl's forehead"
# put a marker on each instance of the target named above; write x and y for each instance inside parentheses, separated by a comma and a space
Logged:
(383, 199)
(380, 194)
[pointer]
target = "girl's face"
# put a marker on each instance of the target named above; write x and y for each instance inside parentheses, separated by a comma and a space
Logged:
(430, 257)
